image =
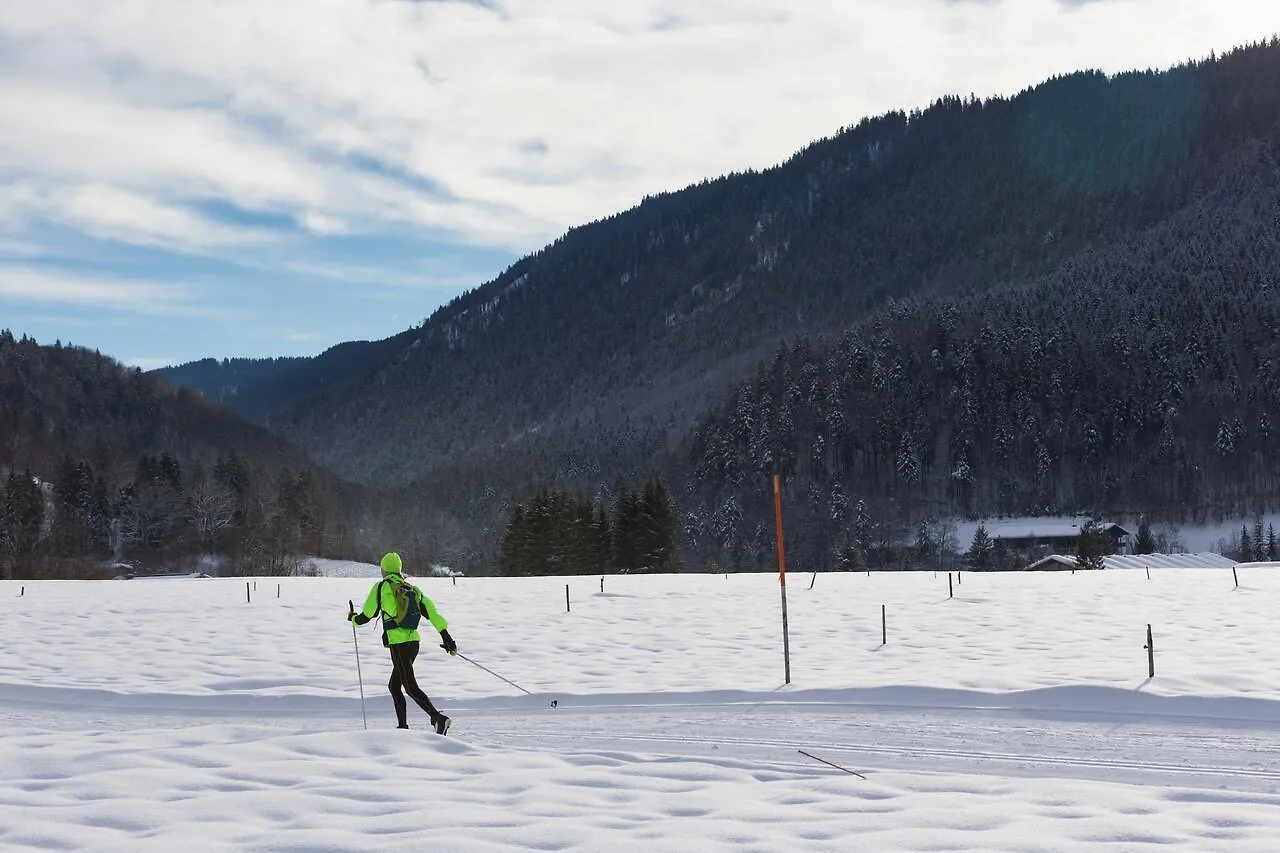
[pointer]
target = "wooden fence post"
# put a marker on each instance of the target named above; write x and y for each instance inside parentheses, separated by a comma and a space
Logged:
(247, 598)
(951, 590)
(1236, 576)
(884, 627)
(566, 598)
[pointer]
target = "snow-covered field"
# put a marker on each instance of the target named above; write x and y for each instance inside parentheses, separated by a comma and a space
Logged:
(1016, 716)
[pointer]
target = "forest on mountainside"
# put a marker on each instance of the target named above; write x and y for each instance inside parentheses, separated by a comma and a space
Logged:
(253, 388)
(1078, 392)
(105, 470)
(1059, 302)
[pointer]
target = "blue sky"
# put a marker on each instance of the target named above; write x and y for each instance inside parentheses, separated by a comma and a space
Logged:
(240, 178)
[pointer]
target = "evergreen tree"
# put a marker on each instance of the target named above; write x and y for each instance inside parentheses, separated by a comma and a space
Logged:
(6, 523)
(658, 529)
(512, 553)
(863, 529)
(851, 559)
(982, 551)
(1245, 551)
(601, 541)
(1145, 541)
(627, 533)
(23, 518)
(81, 512)
(1091, 547)
(925, 546)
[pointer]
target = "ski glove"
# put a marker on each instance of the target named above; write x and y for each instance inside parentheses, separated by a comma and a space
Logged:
(448, 645)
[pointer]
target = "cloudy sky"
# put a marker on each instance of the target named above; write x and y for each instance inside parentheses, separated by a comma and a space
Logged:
(190, 178)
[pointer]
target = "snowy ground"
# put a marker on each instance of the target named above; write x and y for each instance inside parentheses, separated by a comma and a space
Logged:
(1016, 716)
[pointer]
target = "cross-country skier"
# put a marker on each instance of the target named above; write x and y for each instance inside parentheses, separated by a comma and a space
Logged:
(401, 604)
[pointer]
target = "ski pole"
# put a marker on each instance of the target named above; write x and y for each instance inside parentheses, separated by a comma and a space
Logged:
(491, 672)
(831, 764)
(363, 715)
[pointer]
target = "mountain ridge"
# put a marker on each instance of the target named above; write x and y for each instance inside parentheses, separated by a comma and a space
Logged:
(616, 348)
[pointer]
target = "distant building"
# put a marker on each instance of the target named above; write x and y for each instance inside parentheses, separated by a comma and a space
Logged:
(1067, 563)
(1049, 536)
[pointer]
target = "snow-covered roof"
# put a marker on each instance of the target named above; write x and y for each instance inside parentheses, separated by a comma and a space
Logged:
(1202, 560)
(1049, 528)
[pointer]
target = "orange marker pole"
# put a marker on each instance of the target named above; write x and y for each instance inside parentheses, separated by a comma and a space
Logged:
(782, 577)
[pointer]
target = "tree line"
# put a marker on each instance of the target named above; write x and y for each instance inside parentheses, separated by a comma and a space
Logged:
(232, 517)
(556, 532)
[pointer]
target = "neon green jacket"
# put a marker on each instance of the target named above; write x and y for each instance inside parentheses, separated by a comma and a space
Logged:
(395, 636)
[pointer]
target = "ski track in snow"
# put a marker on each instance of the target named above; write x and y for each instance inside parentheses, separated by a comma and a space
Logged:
(1224, 754)
(976, 754)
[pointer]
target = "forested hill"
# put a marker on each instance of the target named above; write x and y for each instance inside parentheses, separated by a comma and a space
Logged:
(254, 388)
(1140, 378)
(642, 319)
(999, 305)
(64, 400)
(102, 464)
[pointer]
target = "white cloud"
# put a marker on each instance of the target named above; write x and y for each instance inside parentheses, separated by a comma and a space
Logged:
(111, 213)
(48, 287)
(440, 275)
(501, 126)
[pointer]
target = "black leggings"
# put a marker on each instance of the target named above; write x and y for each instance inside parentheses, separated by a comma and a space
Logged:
(402, 656)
